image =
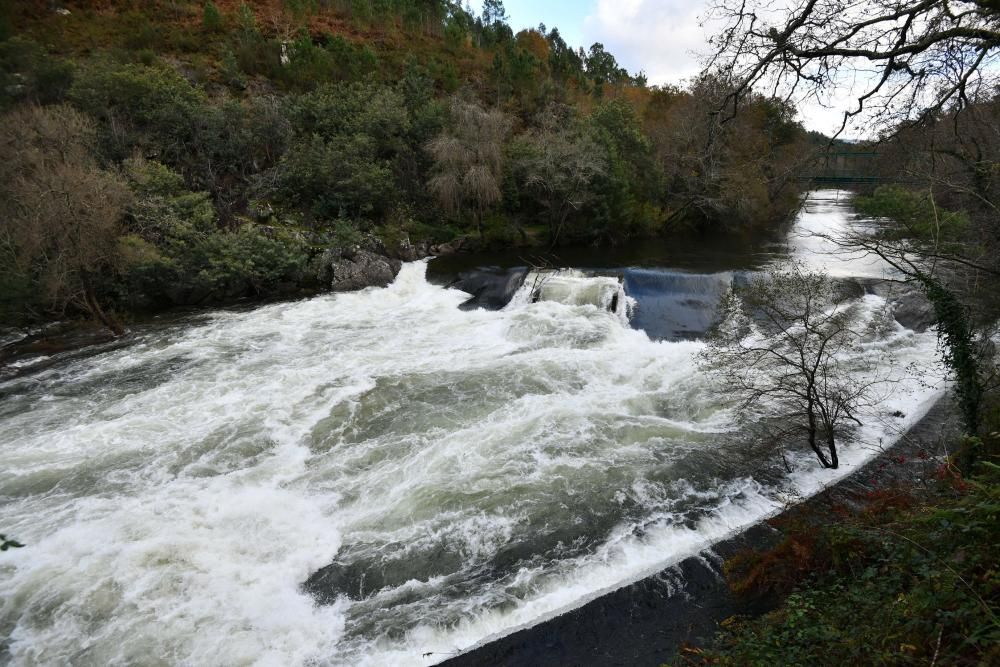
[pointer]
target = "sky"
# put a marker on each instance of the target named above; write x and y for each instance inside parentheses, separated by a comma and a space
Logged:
(663, 38)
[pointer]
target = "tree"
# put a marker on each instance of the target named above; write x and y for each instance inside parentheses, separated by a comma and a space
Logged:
(342, 161)
(927, 74)
(211, 19)
(494, 22)
(175, 252)
(790, 351)
(62, 212)
(603, 68)
(909, 58)
(468, 160)
(560, 163)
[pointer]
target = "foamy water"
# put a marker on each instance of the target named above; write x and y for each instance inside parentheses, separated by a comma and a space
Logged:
(450, 476)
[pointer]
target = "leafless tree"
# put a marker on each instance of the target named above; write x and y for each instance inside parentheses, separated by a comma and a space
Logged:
(61, 211)
(907, 59)
(790, 353)
(468, 160)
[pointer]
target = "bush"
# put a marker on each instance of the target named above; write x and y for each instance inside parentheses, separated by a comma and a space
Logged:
(27, 73)
(152, 109)
(328, 179)
(211, 19)
(916, 213)
(893, 585)
(311, 65)
(177, 255)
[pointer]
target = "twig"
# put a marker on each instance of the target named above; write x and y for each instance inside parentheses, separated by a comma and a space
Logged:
(937, 646)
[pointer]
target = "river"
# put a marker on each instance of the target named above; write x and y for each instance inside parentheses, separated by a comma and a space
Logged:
(383, 478)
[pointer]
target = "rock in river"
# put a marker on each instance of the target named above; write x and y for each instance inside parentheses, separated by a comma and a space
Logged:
(358, 269)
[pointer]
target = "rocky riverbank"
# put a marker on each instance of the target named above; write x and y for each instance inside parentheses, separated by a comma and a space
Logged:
(367, 263)
(645, 623)
(373, 263)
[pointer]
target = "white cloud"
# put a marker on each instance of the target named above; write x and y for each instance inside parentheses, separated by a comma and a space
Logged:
(665, 39)
(660, 37)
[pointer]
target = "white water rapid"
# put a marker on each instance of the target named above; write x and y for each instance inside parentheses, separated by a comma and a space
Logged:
(366, 478)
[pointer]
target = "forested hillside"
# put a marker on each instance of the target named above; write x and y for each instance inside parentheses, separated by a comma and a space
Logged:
(188, 152)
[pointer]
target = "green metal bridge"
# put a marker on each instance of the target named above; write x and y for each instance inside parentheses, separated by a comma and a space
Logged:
(844, 168)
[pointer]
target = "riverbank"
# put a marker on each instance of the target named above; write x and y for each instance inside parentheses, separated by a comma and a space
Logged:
(646, 623)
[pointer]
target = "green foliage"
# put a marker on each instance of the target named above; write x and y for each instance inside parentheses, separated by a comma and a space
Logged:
(917, 214)
(347, 109)
(557, 171)
(141, 33)
(341, 164)
(333, 178)
(350, 61)
(153, 109)
(28, 73)
(247, 22)
(331, 129)
(914, 220)
(894, 585)
(632, 178)
(229, 70)
(211, 18)
(457, 28)
(176, 253)
(958, 348)
(335, 59)
(301, 8)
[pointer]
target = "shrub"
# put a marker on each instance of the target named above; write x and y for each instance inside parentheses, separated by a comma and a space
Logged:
(177, 255)
(211, 19)
(906, 586)
(153, 109)
(27, 73)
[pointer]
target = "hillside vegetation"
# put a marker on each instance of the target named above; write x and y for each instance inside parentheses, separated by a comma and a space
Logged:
(232, 145)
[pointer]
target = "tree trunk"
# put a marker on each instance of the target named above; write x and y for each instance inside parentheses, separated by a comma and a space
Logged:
(92, 304)
(524, 234)
(813, 431)
(832, 447)
(558, 229)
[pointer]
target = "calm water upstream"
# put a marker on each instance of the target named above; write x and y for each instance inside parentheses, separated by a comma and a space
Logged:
(365, 478)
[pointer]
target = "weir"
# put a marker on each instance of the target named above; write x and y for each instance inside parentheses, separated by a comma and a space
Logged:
(673, 305)
(666, 304)
(574, 287)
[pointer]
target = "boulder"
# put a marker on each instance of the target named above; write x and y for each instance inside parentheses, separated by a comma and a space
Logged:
(458, 245)
(909, 305)
(912, 309)
(408, 251)
(491, 288)
(357, 269)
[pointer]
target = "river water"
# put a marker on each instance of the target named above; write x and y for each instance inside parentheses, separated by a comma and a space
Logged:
(381, 478)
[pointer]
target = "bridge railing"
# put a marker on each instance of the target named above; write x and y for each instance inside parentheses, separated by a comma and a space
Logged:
(844, 168)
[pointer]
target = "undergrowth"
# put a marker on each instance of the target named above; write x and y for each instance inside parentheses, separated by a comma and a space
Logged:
(910, 579)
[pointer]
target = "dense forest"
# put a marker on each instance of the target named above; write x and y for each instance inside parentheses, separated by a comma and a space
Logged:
(205, 151)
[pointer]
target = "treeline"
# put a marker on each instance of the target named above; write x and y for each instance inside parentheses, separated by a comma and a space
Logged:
(181, 152)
